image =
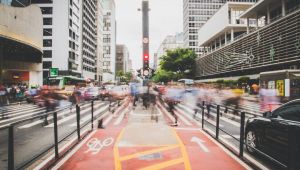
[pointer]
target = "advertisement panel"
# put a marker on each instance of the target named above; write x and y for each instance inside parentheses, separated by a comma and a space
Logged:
(280, 87)
(53, 72)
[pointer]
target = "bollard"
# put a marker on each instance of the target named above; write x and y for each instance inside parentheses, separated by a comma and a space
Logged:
(92, 118)
(242, 134)
(218, 122)
(78, 121)
(55, 135)
(291, 148)
(203, 103)
(11, 157)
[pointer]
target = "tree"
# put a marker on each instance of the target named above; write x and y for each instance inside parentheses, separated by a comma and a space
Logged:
(243, 79)
(129, 76)
(120, 73)
(179, 60)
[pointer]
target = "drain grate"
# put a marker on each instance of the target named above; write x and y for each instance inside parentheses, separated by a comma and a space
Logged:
(157, 155)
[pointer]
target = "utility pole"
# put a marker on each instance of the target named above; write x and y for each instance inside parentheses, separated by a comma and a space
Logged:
(145, 12)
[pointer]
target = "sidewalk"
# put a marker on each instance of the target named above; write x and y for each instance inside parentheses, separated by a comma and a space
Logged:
(142, 142)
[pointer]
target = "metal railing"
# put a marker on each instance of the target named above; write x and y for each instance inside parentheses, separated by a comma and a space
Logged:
(12, 129)
(291, 138)
(276, 18)
(292, 9)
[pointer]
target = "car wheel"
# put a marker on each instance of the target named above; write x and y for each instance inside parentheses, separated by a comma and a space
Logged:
(252, 140)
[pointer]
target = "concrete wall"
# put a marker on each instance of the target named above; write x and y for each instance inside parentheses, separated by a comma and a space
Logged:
(214, 25)
(24, 24)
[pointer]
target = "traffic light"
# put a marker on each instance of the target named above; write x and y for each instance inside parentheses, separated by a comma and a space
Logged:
(153, 72)
(139, 73)
(146, 65)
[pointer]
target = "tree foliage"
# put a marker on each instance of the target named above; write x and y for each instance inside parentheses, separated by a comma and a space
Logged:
(129, 76)
(178, 60)
(243, 79)
(120, 73)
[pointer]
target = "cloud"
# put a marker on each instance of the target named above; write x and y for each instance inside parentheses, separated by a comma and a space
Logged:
(165, 18)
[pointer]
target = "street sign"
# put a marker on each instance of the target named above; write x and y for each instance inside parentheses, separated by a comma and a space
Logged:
(146, 72)
(53, 72)
(88, 80)
(145, 40)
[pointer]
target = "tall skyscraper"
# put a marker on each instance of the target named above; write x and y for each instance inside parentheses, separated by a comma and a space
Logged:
(89, 26)
(109, 41)
(195, 14)
(99, 42)
(122, 58)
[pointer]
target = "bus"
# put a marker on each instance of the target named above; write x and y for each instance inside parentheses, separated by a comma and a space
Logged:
(187, 83)
(65, 81)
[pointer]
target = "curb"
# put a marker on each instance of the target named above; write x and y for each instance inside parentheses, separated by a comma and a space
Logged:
(18, 103)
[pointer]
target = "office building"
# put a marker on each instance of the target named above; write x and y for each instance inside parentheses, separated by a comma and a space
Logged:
(88, 34)
(109, 41)
(262, 46)
(155, 61)
(195, 14)
(122, 58)
(21, 45)
(99, 42)
(171, 42)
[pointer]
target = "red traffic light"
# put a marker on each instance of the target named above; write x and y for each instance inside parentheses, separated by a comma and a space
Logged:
(146, 57)
(146, 72)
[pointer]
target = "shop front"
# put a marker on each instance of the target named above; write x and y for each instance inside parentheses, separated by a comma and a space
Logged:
(287, 83)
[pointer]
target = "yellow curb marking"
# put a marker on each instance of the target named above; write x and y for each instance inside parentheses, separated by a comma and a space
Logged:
(164, 164)
(148, 152)
(183, 151)
(116, 152)
(184, 158)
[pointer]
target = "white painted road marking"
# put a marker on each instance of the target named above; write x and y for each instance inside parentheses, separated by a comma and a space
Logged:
(96, 145)
(200, 143)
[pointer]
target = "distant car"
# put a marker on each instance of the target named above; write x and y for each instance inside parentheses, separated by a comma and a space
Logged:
(104, 93)
(92, 93)
(162, 88)
(188, 89)
(270, 133)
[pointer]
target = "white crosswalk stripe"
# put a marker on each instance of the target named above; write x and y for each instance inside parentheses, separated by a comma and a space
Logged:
(113, 115)
(72, 116)
(197, 115)
(86, 118)
(168, 114)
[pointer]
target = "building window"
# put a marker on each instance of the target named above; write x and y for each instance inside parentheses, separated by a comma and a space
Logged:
(41, 1)
(70, 22)
(47, 32)
(47, 64)
(47, 43)
(71, 12)
(46, 10)
(47, 21)
(70, 33)
(47, 54)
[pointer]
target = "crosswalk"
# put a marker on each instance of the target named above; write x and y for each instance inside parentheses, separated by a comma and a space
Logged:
(30, 113)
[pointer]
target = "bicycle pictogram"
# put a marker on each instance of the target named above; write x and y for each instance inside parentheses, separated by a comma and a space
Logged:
(96, 145)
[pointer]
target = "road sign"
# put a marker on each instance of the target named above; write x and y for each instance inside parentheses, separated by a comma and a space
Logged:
(145, 40)
(53, 72)
(146, 72)
(89, 80)
(200, 143)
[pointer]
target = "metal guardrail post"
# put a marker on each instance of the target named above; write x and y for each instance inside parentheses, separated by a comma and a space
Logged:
(55, 135)
(291, 148)
(203, 102)
(11, 157)
(92, 118)
(242, 134)
(78, 121)
(218, 122)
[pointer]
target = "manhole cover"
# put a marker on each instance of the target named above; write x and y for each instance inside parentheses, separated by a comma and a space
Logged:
(157, 155)
(146, 121)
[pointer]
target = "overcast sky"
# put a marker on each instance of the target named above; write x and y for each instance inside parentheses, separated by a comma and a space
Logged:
(165, 18)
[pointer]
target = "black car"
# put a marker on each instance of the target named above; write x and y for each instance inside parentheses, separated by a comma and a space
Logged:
(270, 133)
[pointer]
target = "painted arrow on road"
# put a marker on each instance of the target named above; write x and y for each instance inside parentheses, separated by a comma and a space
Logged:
(200, 143)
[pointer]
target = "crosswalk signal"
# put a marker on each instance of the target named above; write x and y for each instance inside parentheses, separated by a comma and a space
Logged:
(139, 73)
(153, 72)
(146, 62)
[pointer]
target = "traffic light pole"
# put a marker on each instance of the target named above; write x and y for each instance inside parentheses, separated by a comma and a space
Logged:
(145, 11)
